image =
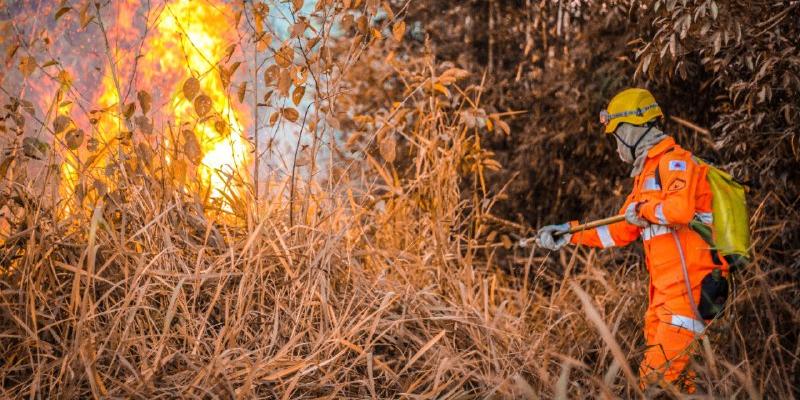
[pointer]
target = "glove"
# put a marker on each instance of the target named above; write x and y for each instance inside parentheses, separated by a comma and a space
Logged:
(546, 238)
(632, 216)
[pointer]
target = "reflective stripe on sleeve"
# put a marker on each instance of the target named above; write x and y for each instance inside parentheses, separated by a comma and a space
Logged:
(687, 323)
(651, 184)
(605, 237)
(655, 230)
(660, 214)
(705, 217)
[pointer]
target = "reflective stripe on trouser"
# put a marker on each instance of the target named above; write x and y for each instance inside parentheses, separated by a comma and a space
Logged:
(670, 330)
(668, 357)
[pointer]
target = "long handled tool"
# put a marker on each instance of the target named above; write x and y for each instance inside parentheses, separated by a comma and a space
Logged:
(594, 224)
(582, 227)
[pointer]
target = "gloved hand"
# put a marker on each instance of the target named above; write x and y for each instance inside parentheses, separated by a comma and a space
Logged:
(546, 238)
(632, 216)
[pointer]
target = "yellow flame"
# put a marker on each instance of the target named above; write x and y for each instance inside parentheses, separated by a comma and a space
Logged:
(191, 38)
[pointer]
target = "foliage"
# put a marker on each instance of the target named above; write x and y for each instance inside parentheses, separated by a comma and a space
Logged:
(398, 149)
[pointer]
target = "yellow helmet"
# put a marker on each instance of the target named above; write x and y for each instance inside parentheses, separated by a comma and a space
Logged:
(634, 106)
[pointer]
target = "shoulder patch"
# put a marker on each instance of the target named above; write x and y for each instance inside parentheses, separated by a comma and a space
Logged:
(677, 165)
(677, 184)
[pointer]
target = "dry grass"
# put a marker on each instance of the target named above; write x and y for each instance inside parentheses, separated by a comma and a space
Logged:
(387, 279)
(356, 300)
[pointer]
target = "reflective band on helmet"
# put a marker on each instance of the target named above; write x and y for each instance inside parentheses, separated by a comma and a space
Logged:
(605, 117)
(705, 217)
(687, 323)
(605, 237)
(654, 230)
(660, 214)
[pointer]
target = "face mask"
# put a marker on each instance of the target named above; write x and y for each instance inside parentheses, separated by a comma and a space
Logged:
(627, 143)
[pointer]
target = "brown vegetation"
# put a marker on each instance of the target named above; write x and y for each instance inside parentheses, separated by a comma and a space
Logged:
(376, 257)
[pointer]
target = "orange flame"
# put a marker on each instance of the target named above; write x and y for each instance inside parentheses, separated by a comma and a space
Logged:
(189, 39)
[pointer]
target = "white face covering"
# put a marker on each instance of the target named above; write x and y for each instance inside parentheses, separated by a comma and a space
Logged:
(633, 143)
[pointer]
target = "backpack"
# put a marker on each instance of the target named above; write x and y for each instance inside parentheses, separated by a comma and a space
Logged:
(729, 234)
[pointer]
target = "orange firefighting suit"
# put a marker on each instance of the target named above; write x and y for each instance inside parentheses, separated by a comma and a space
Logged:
(671, 190)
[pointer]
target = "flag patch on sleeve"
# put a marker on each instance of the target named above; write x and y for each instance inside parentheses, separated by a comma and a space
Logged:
(677, 165)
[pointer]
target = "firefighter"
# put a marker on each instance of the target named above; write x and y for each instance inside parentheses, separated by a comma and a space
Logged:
(669, 191)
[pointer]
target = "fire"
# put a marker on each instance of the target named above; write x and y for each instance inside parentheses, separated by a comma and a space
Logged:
(200, 128)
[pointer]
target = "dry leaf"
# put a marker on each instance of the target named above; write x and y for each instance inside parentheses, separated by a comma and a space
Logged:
(503, 126)
(274, 118)
(145, 101)
(284, 82)
(264, 41)
(233, 68)
(74, 139)
(284, 56)
(202, 105)
(362, 24)
(299, 75)
(388, 9)
(399, 30)
(372, 6)
(347, 21)
(297, 4)
(297, 96)
(92, 144)
(441, 88)
(34, 148)
(144, 124)
(128, 110)
(191, 147)
(229, 52)
(290, 113)
(507, 243)
(376, 34)
(60, 123)
(61, 11)
(27, 65)
(65, 79)
(85, 16)
(388, 148)
(241, 92)
(224, 77)
(298, 29)
(271, 74)
(191, 88)
(451, 75)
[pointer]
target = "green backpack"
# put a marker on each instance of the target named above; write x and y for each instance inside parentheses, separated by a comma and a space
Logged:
(729, 234)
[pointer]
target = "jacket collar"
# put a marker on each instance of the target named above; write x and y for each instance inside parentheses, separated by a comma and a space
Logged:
(661, 147)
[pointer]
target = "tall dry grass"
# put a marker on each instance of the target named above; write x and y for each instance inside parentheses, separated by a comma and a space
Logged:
(380, 291)
(383, 280)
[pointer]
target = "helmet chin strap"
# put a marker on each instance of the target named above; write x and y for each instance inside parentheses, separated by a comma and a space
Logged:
(632, 148)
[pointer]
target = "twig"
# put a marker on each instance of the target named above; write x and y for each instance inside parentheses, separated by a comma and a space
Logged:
(689, 125)
(294, 168)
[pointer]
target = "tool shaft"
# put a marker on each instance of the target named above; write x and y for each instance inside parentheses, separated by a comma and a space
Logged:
(595, 224)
